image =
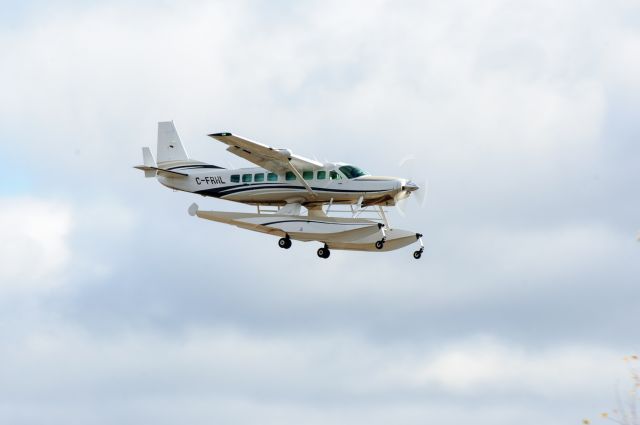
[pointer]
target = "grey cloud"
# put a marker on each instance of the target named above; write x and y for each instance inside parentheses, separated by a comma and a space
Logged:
(521, 118)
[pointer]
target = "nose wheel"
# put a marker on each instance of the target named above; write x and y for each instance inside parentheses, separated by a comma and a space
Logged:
(324, 252)
(417, 254)
(284, 243)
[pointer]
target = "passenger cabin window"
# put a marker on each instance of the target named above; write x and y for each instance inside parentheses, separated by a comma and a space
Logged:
(246, 178)
(272, 177)
(322, 175)
(258, 177)
(352, 172)
(333, 175)
(307, 175)
(235, 178)
(290, 176)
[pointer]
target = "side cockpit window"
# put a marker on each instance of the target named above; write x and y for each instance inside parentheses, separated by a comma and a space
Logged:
(352, 172)
(235, 178)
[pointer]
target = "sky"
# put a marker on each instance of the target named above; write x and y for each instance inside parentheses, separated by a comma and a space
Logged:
(116, 306)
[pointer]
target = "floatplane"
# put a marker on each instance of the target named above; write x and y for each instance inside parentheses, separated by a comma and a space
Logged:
(281, 186)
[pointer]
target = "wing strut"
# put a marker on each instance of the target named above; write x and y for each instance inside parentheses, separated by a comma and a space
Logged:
(299, 176)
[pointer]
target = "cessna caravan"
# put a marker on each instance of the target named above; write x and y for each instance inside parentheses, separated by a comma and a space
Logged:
(287, 183)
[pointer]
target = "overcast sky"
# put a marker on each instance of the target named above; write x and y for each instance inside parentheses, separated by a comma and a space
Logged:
(116, 306)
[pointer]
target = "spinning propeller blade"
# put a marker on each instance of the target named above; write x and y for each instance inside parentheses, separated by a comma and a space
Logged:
(400, 206)
(421, 193)
(408, 164)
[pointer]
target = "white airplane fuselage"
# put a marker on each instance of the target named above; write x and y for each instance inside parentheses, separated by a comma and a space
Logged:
(259, 186)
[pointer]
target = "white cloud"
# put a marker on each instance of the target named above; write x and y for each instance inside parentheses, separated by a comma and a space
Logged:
(501, 100)
(47, 241)
(230, 362)
(337, 373)
(552, 254)
(419, 74)
(488, 366)
(35, 247)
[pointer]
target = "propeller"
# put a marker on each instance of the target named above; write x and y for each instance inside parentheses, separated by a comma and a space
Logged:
(409, 187)
(421, 193)
(400, 207)
(401, 203)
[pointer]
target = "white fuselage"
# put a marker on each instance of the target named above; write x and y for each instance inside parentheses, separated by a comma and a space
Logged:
(259, 186)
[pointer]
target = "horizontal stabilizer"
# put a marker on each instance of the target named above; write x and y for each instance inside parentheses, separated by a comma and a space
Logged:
(152, 171)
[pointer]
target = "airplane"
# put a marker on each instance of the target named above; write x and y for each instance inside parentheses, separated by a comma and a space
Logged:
(288, 182)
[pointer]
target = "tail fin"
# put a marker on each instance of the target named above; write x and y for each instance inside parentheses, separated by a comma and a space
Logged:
(147, 158)
(169, 146)
(149, 163)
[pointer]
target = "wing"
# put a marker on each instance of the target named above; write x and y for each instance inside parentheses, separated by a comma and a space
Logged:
(272, 159)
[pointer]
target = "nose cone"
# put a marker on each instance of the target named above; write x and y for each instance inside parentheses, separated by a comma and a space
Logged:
(410, 186)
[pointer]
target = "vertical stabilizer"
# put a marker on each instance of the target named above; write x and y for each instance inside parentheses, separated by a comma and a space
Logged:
(169, 145)
(150, 165)
(147, 158)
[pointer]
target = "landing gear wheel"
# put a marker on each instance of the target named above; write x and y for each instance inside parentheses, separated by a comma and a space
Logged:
(324, 252)
(284, 243)
(417, 254)
(379, 244)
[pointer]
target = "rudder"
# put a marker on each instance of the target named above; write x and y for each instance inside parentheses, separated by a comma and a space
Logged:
(169, 145)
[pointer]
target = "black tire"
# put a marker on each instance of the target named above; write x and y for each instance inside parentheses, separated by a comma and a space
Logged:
(379, 244)
(284, 243)
(322, 253)
(327, 253)
(288, 244)
(417, 254)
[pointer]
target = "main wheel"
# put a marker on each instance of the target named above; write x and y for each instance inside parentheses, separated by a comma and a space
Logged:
(417, 255)
(379, 244)
(284, 243)
(324, 252)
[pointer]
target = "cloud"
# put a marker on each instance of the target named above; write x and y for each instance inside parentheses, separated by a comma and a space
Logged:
(487, 366)
(414, 77)
(521, 116)
(35, 250)
(313, 375)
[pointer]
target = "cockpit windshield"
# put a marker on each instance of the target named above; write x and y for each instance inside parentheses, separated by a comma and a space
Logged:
(352, 172)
